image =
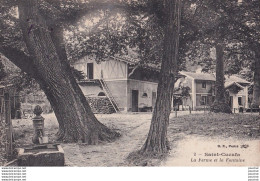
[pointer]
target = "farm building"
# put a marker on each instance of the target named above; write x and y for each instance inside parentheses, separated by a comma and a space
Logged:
(127, 87)
(202, 90)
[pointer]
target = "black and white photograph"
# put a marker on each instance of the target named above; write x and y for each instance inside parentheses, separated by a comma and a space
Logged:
(129, 83)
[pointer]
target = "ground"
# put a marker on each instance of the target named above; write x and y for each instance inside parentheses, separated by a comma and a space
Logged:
(199, 131)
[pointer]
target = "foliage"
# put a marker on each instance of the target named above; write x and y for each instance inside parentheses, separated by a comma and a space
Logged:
(98, 31)
(184, 91)
(237, 23)
(2, 71)
(79, 75)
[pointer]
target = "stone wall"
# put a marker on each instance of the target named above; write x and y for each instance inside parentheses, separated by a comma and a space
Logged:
(100, 105)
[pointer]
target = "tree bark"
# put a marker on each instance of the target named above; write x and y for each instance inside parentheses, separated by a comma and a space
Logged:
(256, 88)
(156, 142)
(76, 120)
(220, 104)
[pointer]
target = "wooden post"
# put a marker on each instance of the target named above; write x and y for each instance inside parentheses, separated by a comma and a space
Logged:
(2, 107)
(176, 113)
(190, 109)
(8, 122)
(234, 110)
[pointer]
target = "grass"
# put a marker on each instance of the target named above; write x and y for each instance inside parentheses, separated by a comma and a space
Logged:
(240, 126)
(213, 125)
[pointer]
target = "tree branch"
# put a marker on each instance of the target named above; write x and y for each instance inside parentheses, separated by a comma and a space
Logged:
(20, 59)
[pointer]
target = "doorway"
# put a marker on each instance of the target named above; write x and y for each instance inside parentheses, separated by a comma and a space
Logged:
(135, 94)
(239, 101)
(90, 71)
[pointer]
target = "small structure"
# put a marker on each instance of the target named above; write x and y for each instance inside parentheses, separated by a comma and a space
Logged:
(38, 125)
(41, 155)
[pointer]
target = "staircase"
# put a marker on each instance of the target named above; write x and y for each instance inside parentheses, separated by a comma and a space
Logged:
(108, 94)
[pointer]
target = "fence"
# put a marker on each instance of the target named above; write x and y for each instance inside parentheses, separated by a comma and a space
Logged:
(7, 122)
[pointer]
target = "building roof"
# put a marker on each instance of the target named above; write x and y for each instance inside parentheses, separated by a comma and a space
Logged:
(129, 60)
(233, 78)
(211, 77)
(231, 84)
(199, 76)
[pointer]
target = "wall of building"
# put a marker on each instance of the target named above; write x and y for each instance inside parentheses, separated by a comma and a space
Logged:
(91, 90)
(142, 87)
(200, 89)
(112, 69)
(209, 100)
(244, 99)
(197, 91)
(118, 89)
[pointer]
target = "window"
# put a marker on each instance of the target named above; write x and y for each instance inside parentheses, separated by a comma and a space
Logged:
(203, 100)
(101, 94)
(204, 85)
(144, 95)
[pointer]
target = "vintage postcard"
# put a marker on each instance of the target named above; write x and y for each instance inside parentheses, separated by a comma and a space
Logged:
(122, 83)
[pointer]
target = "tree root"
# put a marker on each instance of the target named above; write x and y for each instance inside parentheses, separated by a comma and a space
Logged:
(107, 134)
(92, 137)
(140, 158)
(60, 134)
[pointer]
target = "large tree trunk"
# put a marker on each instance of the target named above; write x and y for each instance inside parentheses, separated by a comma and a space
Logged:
(220, 104)
(256, 88)
(76, 120)
(156, 142)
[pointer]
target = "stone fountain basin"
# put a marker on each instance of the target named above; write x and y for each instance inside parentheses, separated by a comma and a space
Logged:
(41, 155)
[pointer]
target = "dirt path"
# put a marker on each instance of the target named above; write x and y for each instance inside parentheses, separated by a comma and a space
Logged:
(134, 129)
(110, 154)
